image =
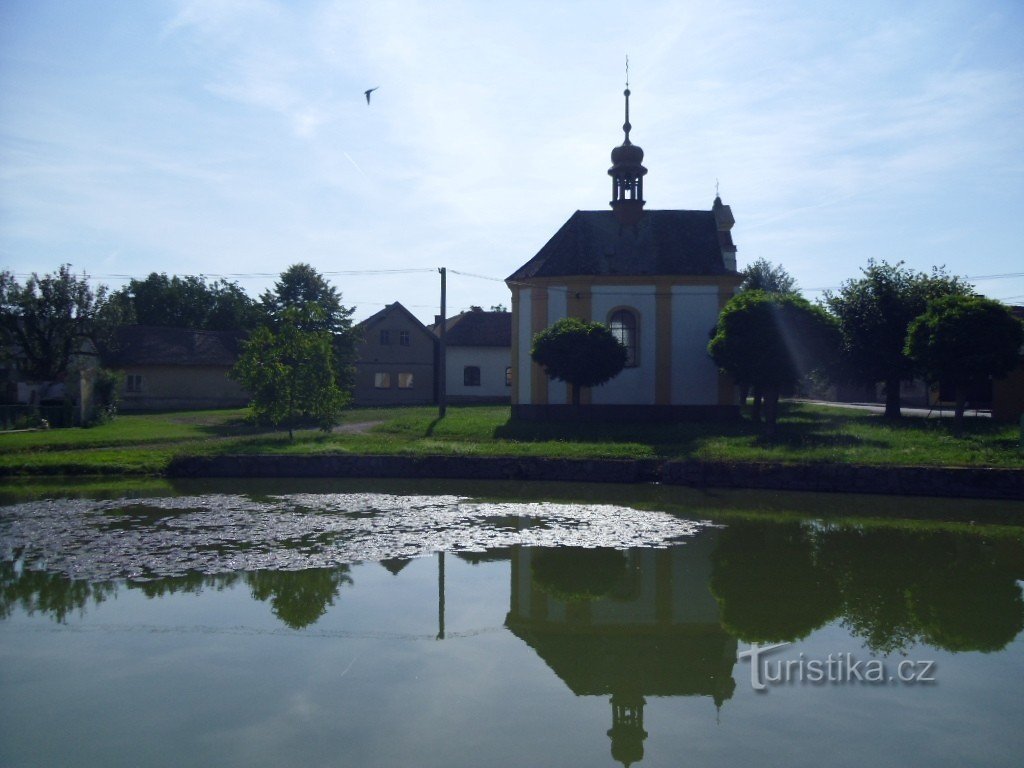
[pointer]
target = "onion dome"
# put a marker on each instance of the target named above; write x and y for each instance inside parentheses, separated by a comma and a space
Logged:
(627, 174)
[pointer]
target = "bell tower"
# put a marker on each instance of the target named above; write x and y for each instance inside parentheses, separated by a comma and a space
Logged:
(627, 173)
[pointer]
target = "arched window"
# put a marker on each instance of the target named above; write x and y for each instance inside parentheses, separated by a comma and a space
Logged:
(624, 327)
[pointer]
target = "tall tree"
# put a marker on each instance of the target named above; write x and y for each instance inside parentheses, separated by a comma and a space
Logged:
(581, 354)
(187, 302)
(50, 320)
(966, 340)
(762, 275)
(290, 372)
(301, 286)
(770, 341)
(874, 313)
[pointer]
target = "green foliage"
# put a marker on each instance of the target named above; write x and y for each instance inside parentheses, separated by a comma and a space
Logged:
(579, 353)
(290, 372)
(768, 584)
(299, 598)
(874, 313)
(50, 320)
(186, 302)
(301, 286)
(762, 275)
(770, 341)
(965, 340)
(106, 386)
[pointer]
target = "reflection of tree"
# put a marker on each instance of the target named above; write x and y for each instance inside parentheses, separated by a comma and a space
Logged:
(579, 574)
(769, 584)
(189, 583)
(903, 587)
(298, 598)
(892, 587)
(47, 593)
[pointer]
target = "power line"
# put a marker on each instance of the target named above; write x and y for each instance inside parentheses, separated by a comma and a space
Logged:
(253, 275)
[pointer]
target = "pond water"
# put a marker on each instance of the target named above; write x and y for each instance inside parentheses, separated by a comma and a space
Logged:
(398, 624)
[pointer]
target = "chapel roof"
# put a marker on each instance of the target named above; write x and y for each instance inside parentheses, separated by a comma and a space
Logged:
(662, 242)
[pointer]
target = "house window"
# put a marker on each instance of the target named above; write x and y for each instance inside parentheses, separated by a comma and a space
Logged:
(508, 376)
(385, 338)
(382, 380)
(405, 381)
(403, 339)
(133, 382)
(623, 326)
(471, 376)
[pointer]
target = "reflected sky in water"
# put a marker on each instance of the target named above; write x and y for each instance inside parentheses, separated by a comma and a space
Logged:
(410, 629)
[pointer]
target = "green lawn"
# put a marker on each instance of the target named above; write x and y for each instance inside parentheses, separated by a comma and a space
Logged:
(143, 444)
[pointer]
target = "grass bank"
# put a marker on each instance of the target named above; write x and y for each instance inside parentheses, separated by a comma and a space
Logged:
(144, 444)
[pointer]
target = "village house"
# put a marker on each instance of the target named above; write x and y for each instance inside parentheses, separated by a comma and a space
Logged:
(176, 368)
(395, 361)
(657, 278)
(478, 356)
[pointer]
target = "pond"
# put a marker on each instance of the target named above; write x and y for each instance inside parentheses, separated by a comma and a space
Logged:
(430, 624)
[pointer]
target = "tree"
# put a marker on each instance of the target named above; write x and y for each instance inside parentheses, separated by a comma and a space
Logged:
(762, 275)
(874, 313)
(187, 302)
(769, 341)
(290, 372)
(299, 598)
(965, 340)
(50, 320)
(301, 286)
(581, 354)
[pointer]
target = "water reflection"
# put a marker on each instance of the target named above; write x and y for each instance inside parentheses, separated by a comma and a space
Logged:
(298, 598)
(625, 624)
(755, 581)
(899, 588)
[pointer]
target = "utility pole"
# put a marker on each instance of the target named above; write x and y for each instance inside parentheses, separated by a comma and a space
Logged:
(442, 381)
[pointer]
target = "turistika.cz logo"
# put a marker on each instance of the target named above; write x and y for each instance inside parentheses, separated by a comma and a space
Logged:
(834, 669)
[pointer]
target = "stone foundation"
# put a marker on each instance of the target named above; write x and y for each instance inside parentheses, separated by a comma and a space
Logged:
(956, 482)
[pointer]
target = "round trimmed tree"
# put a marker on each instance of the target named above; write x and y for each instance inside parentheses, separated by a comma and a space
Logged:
(769, 341)
(579, 353)
(965, 340)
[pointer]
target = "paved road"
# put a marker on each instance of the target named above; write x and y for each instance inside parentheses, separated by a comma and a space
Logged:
(924, 413)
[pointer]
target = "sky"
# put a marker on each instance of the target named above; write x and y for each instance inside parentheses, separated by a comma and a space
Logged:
(231, 138)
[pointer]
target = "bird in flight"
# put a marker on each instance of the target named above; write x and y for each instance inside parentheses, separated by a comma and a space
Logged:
(369, 92)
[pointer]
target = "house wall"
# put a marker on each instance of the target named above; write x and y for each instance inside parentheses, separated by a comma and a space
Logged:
(522, 336)
(420, 393)
(1008, 396)
(634, 385)
(394, 359)
(492, 362)
(181, 386)
(675, 316)
(694, 373)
